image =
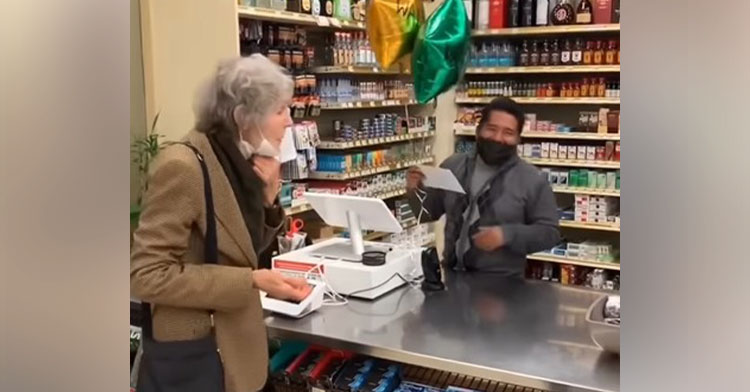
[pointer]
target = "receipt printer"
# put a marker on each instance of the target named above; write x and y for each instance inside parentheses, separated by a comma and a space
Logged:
(293, 309)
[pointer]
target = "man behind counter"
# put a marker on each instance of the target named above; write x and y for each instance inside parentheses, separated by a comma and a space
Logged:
(508, 210)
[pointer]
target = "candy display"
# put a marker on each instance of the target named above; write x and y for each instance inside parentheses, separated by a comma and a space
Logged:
(574, 275)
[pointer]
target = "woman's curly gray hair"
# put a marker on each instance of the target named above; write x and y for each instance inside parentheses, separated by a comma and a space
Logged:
(253, 85)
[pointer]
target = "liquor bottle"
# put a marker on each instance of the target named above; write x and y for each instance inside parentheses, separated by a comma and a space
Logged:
(542, 12)
(497, 14)
(566, 53)
(576, 57)
(585, 87)
(600, 88)
(588, 54)
(514, 13)
(544, 57)
(528, 12)
(599, 53)
(469, 6)
(563, 13)
(609, 57)
(555, 53)
(483, 14)
(534, 58)
(584, 12)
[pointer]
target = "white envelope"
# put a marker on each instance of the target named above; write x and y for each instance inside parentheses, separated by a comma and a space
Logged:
(436, 177)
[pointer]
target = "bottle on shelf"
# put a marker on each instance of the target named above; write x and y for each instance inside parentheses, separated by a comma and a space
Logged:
(555, 53)
(523, 58)
(601, 90)
(584, 12)
(576, 90)
(564, 90)
(550, 90)
(528, 13)
(566, 52)
(544, 57)
(609, 57)
(483, 14)
(576, 57)
(497, 14)
(534, 58)
(588, 53)
(599, 53)
(542, 12)
(585, 87)
(563, 13)
(514, 13)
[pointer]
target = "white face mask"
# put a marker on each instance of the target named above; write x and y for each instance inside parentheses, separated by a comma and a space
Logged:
(265, 149)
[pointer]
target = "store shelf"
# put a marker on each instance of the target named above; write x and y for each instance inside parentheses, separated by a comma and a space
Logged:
(589, 226)
(307, 207)
(544, 69)
(367, 104)
(546, 101)
(368, 172)
(464, 131)
(572, 135)
(587, 191)
(356, 70)
(544, 30)
(574, 163)
(331, 145)
(296, 18)
(573, 261)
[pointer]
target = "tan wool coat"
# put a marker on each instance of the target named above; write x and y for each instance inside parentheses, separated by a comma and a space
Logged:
(167, 268)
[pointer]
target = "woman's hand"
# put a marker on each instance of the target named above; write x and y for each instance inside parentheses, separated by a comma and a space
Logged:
(269, 171)
(281, 287)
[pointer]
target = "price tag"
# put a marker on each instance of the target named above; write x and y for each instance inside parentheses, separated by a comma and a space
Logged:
(322, 21)
(372, 103)
(359, 104)
(335, 22)
(358, 143)
(349, 105)
(350, 68)
(375, 69)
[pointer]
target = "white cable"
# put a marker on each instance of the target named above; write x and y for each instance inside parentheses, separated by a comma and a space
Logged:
(335, 299)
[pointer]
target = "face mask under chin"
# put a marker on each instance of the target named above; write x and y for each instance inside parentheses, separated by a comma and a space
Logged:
(265, 148)
(494, 153)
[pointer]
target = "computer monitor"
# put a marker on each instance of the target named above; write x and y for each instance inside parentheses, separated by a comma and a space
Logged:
(355, 213)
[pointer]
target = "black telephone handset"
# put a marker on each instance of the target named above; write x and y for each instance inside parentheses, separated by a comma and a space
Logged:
(431, 269)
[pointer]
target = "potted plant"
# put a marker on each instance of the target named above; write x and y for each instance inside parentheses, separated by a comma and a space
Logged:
(143, 151)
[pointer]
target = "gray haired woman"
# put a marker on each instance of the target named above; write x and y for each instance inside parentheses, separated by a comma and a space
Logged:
(242, 113)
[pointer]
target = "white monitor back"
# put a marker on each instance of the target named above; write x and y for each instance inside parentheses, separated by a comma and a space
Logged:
(373, 213)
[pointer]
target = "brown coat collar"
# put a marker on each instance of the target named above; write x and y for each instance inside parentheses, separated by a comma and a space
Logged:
(228, 212)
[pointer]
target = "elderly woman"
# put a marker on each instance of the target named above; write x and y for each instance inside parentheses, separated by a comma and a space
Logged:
(241, 115)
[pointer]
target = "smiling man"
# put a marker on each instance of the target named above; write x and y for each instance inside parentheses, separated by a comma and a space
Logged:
(508, 210)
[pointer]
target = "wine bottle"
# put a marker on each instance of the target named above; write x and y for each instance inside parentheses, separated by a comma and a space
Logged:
(562, 13)
(528, 12)
(542, 11)
(584, 12)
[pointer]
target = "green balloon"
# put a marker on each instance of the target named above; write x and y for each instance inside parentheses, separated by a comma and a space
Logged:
(441, 51)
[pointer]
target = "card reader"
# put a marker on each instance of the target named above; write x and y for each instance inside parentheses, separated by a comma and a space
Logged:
(293, 309)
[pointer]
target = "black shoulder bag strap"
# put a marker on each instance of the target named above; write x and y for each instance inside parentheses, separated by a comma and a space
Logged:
(191, 365)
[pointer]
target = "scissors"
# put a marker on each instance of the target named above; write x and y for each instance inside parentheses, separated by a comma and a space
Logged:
(295, 225)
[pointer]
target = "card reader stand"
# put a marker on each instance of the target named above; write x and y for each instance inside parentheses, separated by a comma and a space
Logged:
(297, 310)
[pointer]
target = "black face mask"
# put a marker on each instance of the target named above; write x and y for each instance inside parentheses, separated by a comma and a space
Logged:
(494, 153)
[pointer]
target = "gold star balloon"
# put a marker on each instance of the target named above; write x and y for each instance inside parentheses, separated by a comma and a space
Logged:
(392, 27)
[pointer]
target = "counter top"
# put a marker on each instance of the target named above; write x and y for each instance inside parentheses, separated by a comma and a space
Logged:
(526, 333)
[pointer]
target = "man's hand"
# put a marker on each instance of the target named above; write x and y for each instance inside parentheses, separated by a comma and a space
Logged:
(489, 238)
(269, 171)
(414, 178)
(281, 287)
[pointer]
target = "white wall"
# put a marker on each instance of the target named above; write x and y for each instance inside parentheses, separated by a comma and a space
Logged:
(183, 40)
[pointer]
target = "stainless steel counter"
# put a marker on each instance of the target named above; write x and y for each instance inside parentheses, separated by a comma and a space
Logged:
(531, 334)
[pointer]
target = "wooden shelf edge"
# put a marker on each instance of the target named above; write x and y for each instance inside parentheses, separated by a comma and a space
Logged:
(573, 261)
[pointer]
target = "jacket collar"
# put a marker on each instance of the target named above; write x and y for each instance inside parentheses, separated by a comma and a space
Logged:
(227, 210)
